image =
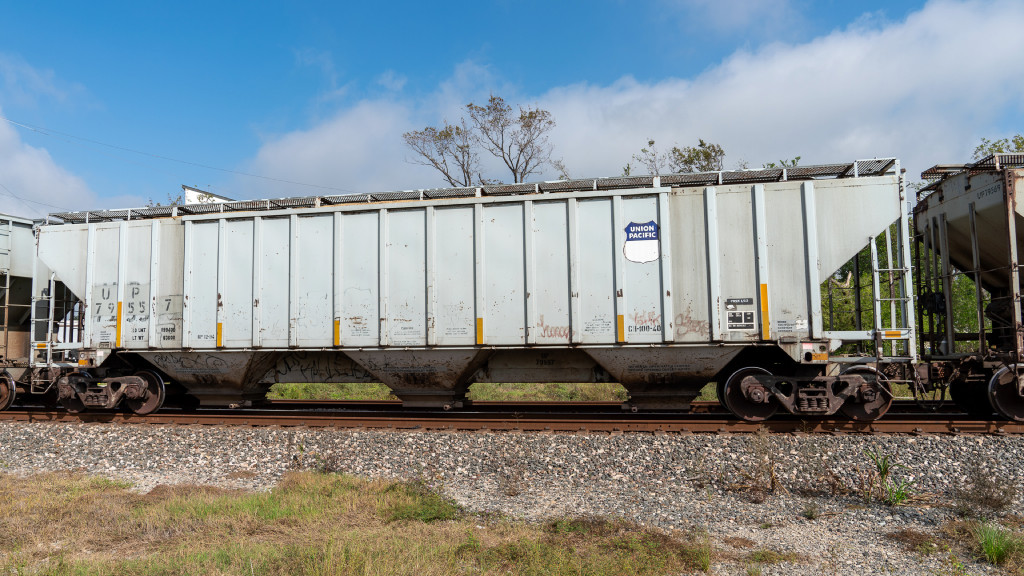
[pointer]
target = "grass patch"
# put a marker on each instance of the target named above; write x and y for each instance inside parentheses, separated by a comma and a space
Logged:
(311, 523)
(811, 511)
(418, 502)
(531, 392)
(996, 544)
(882, 483)
(349, 391)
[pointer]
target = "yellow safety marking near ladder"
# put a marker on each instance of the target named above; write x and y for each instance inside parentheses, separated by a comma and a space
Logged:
(479, 330)
(620, 322)
(220, 334)
(41, 345)
(117, 331)
(337, 332)
(893, 334)
(766, 332)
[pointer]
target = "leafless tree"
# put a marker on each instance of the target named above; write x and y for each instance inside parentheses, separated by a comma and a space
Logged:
(650, 159)
(449, 150)
(520, 139)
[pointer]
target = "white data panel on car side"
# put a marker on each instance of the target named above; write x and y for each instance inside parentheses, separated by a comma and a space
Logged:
(314, 317)
(407, 278)
(504, 275)
(106, 250)
(454, 294)
(135, 308)
(596, 264)
(275, 243)
(360, 280)
(236, 285)
(550, 262)
(641, 249)
(202, 302)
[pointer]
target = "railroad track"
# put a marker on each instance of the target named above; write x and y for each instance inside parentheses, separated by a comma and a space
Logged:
(525, 417)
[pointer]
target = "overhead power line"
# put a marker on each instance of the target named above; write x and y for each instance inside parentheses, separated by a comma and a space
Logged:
(27, 202)
(49, 132)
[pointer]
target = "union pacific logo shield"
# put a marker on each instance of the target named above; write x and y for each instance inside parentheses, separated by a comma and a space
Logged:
(642, 242)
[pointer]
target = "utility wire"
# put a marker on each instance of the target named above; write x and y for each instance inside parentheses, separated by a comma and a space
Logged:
(26, 202)
(49, 132)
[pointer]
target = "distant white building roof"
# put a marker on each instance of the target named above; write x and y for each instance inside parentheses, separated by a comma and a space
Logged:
(197, 196)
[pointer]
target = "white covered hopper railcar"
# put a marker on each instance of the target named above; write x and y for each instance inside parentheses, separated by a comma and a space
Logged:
(661, 284)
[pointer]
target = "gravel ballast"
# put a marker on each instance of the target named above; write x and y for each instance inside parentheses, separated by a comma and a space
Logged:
(715, 483)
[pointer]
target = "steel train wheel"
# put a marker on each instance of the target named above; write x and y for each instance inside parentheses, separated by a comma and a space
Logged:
(155, 397)
(732, 397)
(7, 391)
(877, 386)
(1003, 395)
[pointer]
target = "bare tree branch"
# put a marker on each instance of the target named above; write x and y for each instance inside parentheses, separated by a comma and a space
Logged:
(649, 158)
(449, 150)
(520, 141)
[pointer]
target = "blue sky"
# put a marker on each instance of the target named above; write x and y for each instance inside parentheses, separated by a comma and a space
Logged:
(321, 93)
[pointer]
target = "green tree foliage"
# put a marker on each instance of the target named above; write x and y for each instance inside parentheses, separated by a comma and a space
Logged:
(782, 163)
(704, 157)
(518, 137)
(841, 305)
(1013, 145)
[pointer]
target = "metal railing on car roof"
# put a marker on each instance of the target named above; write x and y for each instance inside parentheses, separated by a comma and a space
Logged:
(859, 168)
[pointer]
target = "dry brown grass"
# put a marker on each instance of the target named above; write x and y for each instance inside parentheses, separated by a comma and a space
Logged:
(916, 540)
(311, 523)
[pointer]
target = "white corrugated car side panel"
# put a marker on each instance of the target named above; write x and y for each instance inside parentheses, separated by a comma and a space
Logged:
(453, 272)
(549, 274)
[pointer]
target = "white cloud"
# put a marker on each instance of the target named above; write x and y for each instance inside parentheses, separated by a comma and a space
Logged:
(924, 89)
(392, 81)
(22, 84)
(32, 184)
(760, 17)
(358, 150)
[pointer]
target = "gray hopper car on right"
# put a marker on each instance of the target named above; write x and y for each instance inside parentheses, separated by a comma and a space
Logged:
(969, 224)
(662, 284)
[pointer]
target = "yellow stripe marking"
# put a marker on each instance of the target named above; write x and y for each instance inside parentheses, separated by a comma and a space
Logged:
(766, 326)
(337, 332)
(117, 330)
(41, 345)
(479, 330)
(893, 334)
(620, 322)
(220, 334)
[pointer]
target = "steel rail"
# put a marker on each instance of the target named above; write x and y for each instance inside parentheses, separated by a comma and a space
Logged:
(533, 422)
